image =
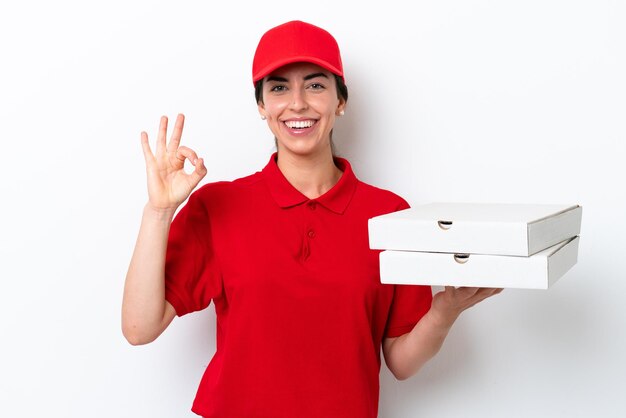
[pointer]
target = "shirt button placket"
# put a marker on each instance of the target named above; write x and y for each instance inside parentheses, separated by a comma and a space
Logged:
(310, 230)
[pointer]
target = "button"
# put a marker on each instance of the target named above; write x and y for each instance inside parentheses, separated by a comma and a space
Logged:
(311, 233)
(312, 205)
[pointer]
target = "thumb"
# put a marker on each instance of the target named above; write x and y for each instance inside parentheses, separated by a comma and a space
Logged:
(199, 172)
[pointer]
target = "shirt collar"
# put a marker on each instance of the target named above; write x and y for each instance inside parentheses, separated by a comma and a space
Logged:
(285, 195)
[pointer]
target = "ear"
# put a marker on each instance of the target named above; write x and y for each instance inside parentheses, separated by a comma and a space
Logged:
(341, 107)
(261, 108)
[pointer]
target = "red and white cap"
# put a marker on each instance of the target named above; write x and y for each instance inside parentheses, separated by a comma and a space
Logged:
(296, 41)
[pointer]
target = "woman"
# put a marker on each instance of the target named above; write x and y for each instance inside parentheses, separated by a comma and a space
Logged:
(283, 254)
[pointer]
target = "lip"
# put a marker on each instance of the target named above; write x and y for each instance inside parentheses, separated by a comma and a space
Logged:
(298, 131)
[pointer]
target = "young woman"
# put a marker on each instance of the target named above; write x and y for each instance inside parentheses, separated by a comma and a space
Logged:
(283, 255)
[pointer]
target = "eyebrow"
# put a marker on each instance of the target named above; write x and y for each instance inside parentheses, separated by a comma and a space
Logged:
(314, 75)
(306, 78)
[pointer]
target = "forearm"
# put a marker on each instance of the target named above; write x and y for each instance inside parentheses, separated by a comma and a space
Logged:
(143, 307)
(406, 354)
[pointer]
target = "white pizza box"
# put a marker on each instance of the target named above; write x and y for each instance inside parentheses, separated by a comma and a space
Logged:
(476, 228)
(539, 271)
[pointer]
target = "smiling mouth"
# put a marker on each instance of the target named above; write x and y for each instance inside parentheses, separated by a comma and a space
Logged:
(300, 124)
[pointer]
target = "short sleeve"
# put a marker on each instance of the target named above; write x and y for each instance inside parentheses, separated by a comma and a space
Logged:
(192, 276)
(410, 303)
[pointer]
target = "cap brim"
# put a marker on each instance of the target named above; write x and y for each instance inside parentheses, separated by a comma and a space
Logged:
(265, 71)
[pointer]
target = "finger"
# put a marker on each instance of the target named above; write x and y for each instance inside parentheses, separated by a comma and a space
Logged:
(185, 152)
(145, 146)
(176, 133)
(449, 289)
(199, 172)
(485, 292)
(468, 292)
(162, 135)
(489, 291)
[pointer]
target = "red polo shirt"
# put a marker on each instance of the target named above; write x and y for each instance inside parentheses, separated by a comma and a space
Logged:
(301, 312)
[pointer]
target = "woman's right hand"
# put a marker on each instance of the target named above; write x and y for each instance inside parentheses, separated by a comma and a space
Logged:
(168, 183)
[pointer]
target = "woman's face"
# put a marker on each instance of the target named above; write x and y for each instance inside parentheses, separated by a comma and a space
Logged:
(300, 103)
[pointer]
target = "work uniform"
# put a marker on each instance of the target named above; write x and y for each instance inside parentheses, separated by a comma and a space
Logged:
(301, 312)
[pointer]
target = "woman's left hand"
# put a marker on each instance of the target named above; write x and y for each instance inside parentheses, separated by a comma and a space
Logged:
(449, 304)
(406, 354)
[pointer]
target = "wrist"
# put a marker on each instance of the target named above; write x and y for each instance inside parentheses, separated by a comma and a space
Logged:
(159, 214)
(443, 318)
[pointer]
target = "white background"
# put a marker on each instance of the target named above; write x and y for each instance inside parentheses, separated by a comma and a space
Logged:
(485, 101)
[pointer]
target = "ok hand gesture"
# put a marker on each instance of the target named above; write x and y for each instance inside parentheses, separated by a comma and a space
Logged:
(168, 183)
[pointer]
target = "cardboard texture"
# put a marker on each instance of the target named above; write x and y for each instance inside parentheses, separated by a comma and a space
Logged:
(476, 228)
(538, 271)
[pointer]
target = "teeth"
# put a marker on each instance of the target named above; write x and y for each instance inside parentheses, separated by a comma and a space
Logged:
(299, 124)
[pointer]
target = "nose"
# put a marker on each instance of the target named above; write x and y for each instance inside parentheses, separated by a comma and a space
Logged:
(298, 100)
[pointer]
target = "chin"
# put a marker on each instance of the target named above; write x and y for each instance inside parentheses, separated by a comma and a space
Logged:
(303, 147)
(303, 151)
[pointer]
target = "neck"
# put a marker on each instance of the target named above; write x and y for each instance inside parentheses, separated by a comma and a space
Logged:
(310, 175)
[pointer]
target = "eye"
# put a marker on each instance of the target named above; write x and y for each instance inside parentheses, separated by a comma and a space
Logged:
(317, 86)
(278, 88)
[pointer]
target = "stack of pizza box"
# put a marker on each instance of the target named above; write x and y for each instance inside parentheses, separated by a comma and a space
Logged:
(477, 244)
